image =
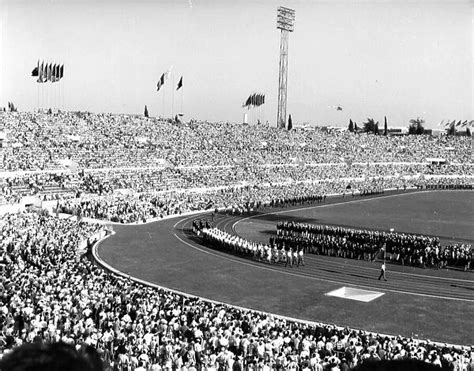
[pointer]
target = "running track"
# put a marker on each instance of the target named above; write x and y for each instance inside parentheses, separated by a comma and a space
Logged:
(431, 304)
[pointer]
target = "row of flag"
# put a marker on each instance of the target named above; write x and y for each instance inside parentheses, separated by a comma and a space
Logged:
(254, 100)
(48, 72)
(456, 124)
(164, 77)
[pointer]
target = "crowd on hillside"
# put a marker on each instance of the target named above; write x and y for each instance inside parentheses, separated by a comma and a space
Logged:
(51, 293)
(403, 248)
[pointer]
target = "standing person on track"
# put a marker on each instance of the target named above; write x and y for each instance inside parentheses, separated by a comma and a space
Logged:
(300, 257)
(382, 272)
(289, 258)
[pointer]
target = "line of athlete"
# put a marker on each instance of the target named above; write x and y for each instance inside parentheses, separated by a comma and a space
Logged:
(223, 241)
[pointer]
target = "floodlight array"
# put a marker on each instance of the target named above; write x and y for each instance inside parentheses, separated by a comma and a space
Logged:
(286, 19)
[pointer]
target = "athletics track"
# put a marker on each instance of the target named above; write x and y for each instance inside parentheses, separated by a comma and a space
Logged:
(426, 303)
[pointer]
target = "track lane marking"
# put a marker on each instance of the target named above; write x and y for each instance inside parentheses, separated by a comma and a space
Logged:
(316, 278)
(351, 265)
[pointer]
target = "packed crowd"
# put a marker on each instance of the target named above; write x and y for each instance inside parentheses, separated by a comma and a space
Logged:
(130, 207)
(63, 183)
(220, 240)
(134, 169)
(51, 293)
(76, 155)
(423, 251)
(457, 255)
(445, 183)
(39, 141)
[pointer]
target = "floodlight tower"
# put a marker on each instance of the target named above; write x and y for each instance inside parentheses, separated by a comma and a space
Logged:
(285, 23)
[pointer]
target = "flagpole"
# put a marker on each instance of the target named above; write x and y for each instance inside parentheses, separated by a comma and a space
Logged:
(259, 114)
(172, 95)
(163, 107)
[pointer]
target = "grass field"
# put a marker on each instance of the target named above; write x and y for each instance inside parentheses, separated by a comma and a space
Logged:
(164, 253)
(447, 214)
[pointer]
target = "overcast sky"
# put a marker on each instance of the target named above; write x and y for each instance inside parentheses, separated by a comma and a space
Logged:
(399, 58)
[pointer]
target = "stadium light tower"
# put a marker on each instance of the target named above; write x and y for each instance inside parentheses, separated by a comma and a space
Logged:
(285, 23)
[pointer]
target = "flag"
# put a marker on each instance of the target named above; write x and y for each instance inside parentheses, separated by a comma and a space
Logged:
(35, 71)
(53, 73)
(163, 78)
(247, 102)
(61, 72)
(180, 83)
(56, 73)
(50, 70)
(41, 72)
(160, 83)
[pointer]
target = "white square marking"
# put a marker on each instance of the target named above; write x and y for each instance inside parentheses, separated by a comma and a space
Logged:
(355, 294)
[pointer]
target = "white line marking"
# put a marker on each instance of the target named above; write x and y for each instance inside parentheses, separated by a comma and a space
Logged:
(321, 205)
(105, 265)
(317, 278)
(347, 202)
(435, 278)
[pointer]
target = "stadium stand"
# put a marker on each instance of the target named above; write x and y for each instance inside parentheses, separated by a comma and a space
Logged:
(131, 169)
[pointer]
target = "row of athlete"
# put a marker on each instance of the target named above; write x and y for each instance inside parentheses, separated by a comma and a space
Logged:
(223, 241)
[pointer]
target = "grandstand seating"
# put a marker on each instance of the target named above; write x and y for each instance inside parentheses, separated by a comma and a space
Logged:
(94, 166)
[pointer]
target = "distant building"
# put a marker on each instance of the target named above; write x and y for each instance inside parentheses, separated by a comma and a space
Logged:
(396, 131)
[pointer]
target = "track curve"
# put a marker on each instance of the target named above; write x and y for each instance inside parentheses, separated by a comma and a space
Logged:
(428, 303)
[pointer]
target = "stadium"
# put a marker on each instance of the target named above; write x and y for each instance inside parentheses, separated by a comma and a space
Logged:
(160, 242)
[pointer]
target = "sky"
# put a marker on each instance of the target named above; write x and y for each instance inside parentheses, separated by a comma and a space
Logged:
(374, 58)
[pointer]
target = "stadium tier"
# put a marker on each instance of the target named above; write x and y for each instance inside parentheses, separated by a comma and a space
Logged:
(131, 169)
